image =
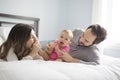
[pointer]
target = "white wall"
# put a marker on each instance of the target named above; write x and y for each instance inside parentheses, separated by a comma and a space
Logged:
(55, 15)
(79, 13)
(112, 50)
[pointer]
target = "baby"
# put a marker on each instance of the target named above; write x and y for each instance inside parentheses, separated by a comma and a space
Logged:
(61, 44)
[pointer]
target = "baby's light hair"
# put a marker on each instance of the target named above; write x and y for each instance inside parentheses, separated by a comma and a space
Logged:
(69, 32)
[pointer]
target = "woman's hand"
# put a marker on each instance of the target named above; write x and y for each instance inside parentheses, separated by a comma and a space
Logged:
(35, 49)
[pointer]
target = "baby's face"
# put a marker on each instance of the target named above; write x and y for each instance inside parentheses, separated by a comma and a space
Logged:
(64, 39)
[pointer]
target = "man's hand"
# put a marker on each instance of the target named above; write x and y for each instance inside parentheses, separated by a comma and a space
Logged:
(68, 58)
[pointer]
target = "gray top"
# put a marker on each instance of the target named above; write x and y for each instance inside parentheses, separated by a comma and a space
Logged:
(86, 55)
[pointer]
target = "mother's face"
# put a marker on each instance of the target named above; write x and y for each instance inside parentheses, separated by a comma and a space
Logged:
(31, 40)
(87, 38)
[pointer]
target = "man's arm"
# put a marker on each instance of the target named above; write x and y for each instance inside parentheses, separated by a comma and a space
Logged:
(68, 58)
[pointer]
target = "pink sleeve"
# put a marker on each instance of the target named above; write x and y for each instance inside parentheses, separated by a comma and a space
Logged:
(67, 48)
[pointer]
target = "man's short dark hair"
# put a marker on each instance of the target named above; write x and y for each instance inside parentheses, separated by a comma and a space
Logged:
(98, 31)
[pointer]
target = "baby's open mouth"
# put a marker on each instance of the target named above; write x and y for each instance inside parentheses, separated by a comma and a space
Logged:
(61, 43)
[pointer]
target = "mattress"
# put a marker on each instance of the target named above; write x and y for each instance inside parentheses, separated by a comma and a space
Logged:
(109, 69)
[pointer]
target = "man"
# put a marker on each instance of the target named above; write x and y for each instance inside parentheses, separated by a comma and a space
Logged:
(83, 48)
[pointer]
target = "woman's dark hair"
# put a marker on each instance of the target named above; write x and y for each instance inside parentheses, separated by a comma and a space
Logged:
(17, 39)
(99, 32)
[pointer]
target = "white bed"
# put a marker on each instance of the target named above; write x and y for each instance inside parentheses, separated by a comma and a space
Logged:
(109, 69)
(49, 70)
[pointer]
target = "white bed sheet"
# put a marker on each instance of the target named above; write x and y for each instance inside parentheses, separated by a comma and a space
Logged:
(49, 70)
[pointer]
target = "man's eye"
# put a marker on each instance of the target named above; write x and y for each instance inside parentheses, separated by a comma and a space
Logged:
(82, 35)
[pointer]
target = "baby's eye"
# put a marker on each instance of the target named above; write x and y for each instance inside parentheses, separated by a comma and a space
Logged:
(61, 36)
(66, 39)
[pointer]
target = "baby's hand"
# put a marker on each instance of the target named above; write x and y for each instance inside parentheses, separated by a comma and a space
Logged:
(58, 51)
(49, 48)
(53, 45)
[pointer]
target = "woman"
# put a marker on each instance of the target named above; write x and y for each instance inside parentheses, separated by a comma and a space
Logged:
(21, 44)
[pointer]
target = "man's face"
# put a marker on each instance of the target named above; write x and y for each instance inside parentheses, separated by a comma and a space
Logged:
(87, 38)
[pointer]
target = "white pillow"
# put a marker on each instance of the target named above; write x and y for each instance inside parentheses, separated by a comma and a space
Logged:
(1, 40)
(4, 31)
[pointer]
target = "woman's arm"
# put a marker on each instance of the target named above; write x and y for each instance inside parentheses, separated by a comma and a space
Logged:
(48, 50)
(35, 49)
(43, 54)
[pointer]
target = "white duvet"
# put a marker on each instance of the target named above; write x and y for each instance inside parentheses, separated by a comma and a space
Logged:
(49, 70)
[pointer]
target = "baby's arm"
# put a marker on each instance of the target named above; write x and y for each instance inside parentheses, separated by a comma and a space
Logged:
(59, 51)
(49, 48)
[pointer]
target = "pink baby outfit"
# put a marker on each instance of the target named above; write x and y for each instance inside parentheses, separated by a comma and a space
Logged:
(55, 55)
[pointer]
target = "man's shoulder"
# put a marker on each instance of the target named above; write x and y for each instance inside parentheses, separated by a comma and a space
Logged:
(92, 50)
(93, 47)
(78, 30)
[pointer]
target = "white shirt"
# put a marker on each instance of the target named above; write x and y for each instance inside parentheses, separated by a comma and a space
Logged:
(13, 57)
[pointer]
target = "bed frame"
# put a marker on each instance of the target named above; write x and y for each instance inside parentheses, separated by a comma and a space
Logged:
(10, 16)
